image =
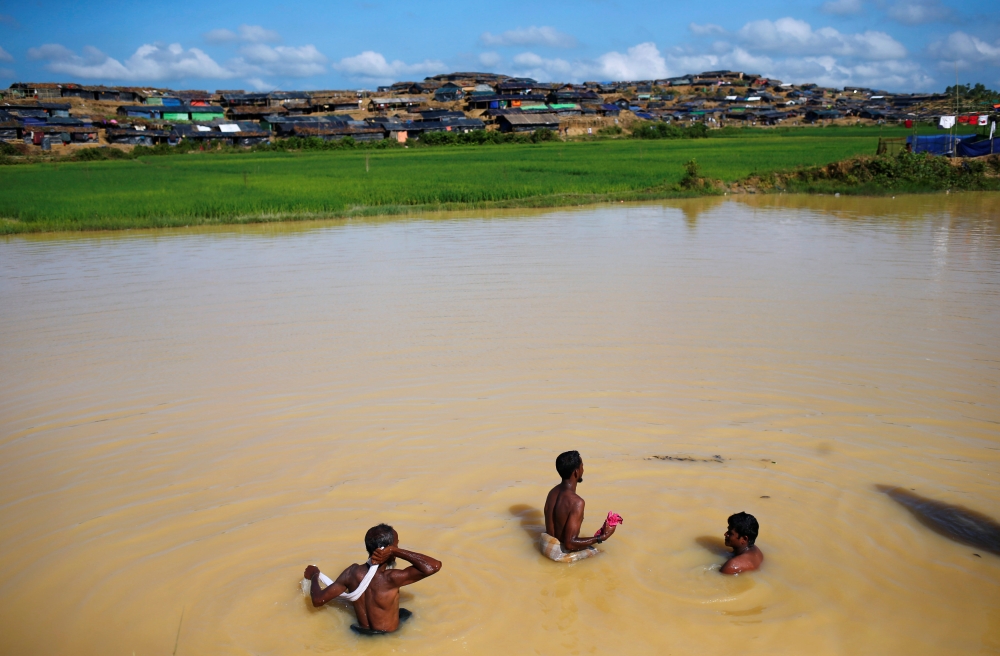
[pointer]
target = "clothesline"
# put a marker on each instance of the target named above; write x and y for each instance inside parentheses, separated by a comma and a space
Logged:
(949, 121)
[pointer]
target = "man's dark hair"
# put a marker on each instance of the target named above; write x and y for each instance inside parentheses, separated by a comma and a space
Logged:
(745, 525)
(377, 537)
(567, 463)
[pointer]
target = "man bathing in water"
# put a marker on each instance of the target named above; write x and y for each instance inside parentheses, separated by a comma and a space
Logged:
(740, 537)
(373, 587)
(564, 515)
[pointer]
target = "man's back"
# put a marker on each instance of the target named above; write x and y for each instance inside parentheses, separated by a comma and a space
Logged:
(378, 607)
(564, 513)
(561, 505)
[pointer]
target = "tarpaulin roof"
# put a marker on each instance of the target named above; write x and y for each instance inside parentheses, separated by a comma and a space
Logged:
(936, 144)
(969, 148)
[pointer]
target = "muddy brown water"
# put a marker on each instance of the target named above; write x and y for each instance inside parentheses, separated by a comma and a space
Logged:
(188, 418)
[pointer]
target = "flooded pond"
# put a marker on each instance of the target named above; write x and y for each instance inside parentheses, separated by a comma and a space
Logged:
(188, 418)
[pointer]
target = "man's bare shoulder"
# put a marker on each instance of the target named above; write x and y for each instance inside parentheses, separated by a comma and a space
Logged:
(566, 498)
(745, 562)
(355, 572)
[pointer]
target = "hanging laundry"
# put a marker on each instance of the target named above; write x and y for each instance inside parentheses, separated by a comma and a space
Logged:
(983, 119)
(908, 123)
(946, 122)
(963, 119)
(973, 119)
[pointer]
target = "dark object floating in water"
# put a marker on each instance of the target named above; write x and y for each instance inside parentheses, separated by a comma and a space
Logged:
(977, 555)
(687, 459)
(765, 497)
(954, 522)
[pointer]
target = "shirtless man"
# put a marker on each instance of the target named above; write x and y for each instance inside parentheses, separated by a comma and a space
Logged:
(564, 515)
(740, 537)
(377, 607)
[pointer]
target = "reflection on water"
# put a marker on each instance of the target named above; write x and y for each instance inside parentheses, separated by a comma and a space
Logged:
(950, 520)
(189, 417)
(714, 545)
(532, 520)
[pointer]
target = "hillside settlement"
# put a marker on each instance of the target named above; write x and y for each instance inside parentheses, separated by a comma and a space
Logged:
(50, 116)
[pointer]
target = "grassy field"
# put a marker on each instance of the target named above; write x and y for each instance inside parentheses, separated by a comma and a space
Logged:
(222, 188)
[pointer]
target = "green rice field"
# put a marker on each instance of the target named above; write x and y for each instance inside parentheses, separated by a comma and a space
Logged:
(202, 188)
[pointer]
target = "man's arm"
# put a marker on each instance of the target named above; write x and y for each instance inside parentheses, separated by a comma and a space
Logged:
(332, 591)
(573, 541)
(421, 566)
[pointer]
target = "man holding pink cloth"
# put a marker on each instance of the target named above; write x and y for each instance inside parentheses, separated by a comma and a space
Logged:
(564, 508)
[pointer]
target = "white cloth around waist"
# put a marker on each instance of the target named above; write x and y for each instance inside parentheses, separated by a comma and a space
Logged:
(552, 548)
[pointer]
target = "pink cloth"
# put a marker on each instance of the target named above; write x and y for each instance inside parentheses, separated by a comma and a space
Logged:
(614, 519)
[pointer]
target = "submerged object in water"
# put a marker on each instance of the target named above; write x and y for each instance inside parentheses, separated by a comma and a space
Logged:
(954, 522)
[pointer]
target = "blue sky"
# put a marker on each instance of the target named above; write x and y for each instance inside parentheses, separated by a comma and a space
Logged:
(898, 45)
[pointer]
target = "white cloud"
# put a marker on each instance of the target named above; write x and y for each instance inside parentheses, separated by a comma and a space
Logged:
(291, 61)
(221, 36)
(149, 63)
(373, 66)
(916, 12)
(157, 62)
(245, 33)
(828, 71)
(788, 50)
(965, 50)
(528, 64)
(707, 28)
(842, 7)
(641, 62)
(258, 84)
(490, 59)
(5, 56)
(791, 36)
(6, 72)
(258, 34)
(530, 36)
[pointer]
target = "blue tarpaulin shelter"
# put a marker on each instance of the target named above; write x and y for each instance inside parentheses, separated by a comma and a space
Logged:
(937, 144)
(978, 148)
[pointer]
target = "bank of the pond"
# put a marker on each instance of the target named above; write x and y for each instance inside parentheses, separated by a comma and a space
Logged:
(901, 173)
(204, 188)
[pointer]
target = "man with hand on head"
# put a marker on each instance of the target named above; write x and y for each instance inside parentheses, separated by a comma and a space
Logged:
(564, 515)
(373, 587)
(740, 537)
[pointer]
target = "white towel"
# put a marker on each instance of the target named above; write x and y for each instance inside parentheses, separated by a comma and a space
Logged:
(946, 122)
(349, 596)
(365, 582)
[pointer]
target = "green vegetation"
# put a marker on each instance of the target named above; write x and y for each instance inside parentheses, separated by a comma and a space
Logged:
(660, 130)
(482, 137)
(692, 178)
(230, 187)
(905, 172)
(976, 94)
